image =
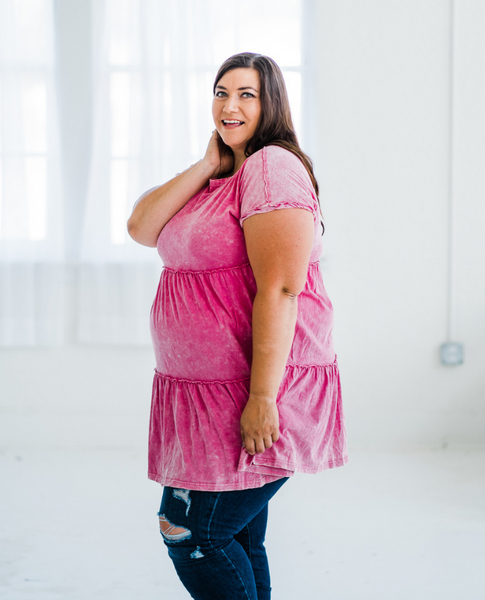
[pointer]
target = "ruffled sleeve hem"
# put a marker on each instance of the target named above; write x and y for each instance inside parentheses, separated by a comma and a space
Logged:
(268, 208)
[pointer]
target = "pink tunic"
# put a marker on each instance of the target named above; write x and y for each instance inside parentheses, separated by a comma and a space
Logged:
(201, 331)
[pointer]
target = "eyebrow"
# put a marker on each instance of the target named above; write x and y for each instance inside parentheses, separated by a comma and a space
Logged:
(239, 89)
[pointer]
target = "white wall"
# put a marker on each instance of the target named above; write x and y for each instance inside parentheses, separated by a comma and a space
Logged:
(384, 115)
(383, 170)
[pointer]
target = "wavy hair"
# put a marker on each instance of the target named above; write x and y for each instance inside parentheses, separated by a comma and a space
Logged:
(275, 127)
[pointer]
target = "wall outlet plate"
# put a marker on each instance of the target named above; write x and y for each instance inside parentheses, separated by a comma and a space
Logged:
(451, 353)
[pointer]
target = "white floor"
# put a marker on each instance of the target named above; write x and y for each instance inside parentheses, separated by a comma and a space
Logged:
(82, 525)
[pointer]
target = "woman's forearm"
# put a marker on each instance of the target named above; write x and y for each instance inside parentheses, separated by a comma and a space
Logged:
(157, 206)
(273, 326)
(274, 319)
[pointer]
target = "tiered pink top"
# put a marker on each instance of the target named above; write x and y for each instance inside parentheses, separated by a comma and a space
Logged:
(201, 331)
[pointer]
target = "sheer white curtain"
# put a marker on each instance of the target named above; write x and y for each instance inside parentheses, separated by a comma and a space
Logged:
(154, 64)
(31, 244)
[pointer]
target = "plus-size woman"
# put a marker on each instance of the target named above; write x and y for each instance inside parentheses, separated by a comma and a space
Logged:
(246, 388)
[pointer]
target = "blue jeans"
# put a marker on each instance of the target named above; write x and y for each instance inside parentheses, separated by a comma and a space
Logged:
(216, 541)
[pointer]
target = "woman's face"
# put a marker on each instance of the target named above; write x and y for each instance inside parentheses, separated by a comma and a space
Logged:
(236, 107)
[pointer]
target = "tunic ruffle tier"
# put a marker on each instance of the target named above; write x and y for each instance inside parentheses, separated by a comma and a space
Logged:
(201, 331)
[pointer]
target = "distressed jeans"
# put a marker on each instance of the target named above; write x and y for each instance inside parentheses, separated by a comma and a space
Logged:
(216, 541)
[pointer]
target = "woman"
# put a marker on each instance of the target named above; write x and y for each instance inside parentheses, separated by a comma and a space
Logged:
(246, 389)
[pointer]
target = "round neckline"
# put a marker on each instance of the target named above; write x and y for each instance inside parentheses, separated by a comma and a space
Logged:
(224, 178)
(214, 183)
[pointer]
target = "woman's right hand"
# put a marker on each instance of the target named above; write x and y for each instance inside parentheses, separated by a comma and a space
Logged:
(212, 158)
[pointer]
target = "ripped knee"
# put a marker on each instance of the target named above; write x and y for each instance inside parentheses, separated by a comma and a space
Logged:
(171, 532)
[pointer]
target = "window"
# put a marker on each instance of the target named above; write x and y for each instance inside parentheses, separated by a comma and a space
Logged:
(162, 58)
(29, 160)
(153, 65)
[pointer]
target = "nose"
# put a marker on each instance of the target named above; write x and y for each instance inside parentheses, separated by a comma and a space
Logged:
(231, 104)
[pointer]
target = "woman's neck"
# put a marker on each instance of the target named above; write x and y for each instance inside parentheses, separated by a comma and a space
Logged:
(239, 158)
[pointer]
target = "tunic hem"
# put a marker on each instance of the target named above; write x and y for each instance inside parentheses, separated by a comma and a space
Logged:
(212, 487)
(244, 485)
(295, 467)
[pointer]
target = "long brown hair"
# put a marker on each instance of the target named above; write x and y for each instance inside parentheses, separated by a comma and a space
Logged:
(275, 127)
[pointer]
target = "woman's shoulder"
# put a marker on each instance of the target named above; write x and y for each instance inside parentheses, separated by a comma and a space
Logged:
(274, 152)
(274, 157)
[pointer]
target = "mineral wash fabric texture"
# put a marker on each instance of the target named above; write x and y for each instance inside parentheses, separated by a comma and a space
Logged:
(201, 331)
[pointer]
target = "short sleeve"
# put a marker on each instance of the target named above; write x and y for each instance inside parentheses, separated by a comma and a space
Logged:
(275, 178)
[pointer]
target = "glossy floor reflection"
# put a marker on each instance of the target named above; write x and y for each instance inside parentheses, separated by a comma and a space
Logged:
(83, 525)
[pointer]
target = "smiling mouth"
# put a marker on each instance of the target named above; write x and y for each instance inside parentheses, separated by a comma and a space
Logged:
(231, 123)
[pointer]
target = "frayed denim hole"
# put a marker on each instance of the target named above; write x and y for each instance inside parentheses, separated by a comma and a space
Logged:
(172, 533)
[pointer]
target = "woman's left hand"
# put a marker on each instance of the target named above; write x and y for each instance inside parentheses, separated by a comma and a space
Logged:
(259, 425)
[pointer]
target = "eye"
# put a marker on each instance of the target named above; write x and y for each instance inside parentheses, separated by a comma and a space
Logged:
(248, 95)
(220, 94)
